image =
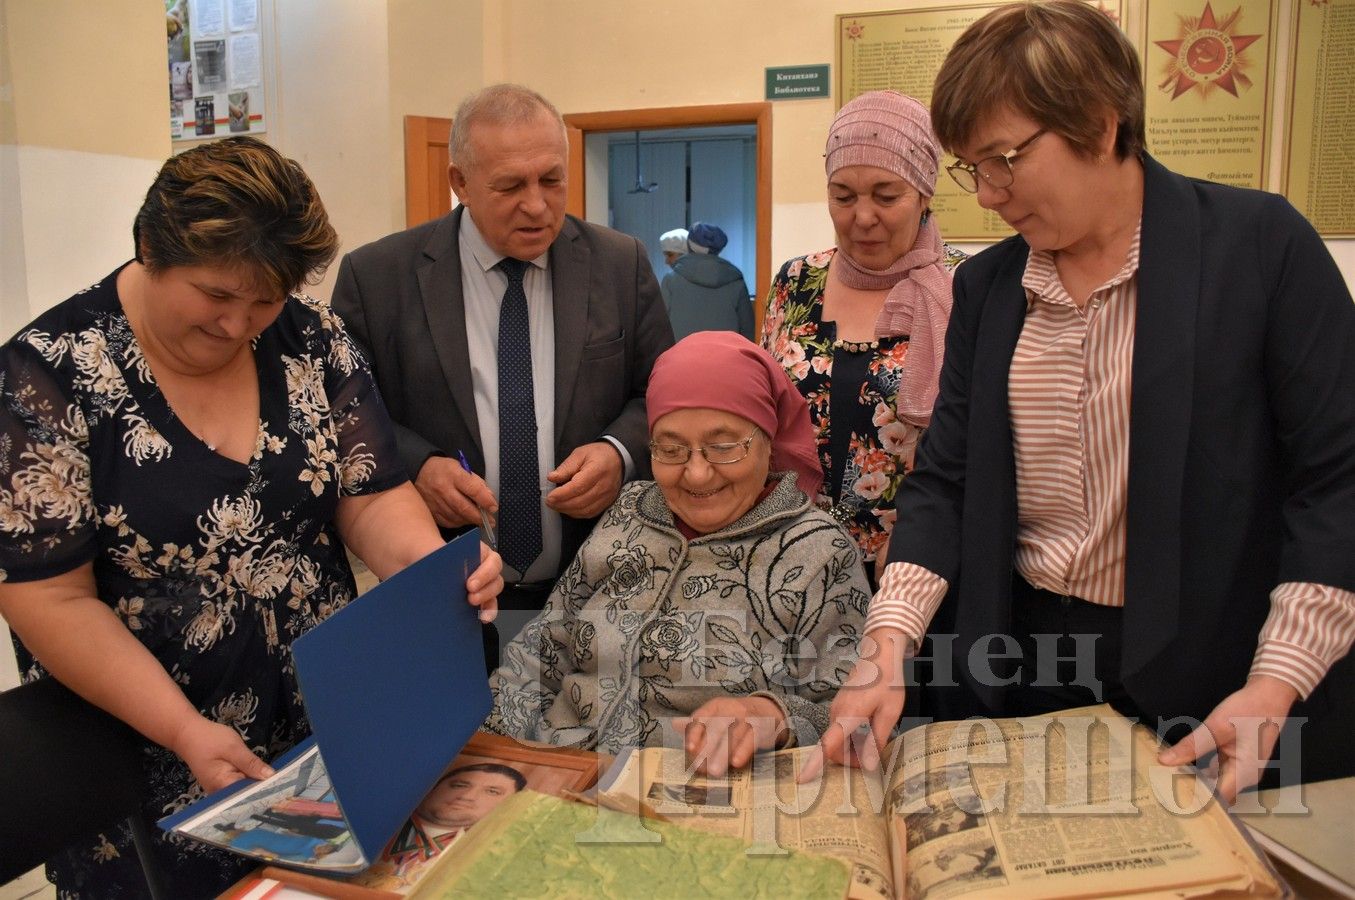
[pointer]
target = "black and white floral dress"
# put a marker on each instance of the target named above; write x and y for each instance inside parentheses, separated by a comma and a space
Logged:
(215, 565)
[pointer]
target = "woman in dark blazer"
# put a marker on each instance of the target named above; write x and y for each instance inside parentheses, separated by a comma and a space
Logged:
(1144, 443)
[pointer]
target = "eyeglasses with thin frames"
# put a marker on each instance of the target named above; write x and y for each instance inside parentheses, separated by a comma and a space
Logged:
(996, 170)
(716, 454)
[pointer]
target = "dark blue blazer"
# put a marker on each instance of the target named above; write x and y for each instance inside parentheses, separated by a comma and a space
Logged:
(1241, 446)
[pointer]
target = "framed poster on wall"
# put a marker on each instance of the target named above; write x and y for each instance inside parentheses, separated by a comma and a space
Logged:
(1208, 69)
(215, 60)
(902, 50)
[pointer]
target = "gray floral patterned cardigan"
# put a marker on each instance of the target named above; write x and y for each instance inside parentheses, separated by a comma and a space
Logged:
(645, 625)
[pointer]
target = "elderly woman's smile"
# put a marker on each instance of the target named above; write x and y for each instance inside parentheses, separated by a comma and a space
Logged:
(710, 495)
(726, 530)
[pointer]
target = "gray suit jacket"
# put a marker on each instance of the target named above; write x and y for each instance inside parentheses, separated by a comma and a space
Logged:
(401, 299)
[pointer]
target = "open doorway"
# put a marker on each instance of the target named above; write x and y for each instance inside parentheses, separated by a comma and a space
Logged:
(665, 178)
(591, 173)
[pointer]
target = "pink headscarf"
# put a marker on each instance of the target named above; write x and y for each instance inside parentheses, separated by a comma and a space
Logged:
(892, 131)
(726, 371)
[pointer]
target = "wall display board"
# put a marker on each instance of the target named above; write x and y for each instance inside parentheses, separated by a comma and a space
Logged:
(1319, 175)
(215, 68)
(902, 50)
(1208, 68)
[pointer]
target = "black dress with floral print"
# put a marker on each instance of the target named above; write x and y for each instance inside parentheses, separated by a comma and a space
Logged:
(852, 391)
(215, 566)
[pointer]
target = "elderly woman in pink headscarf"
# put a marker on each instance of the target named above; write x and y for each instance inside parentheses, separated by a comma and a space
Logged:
(714, 605)
(860, 328)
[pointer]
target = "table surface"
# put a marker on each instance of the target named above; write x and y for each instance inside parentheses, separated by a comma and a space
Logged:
(1316, 823)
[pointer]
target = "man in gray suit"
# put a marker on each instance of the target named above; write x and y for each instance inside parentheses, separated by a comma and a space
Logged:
(515, 339)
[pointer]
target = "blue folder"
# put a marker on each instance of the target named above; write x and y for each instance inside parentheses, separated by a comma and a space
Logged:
(394, 685)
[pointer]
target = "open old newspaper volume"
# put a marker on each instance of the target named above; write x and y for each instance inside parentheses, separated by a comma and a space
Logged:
(1072, 804)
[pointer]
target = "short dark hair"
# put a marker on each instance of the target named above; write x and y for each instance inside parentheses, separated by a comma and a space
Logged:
(495, 768)
(236, 201)
(1062, 63)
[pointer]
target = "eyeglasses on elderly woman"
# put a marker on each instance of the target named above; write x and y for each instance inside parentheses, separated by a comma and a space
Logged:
(996, 170)
(721, 454)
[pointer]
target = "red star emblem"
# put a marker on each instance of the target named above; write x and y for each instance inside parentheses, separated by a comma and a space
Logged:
(1207, 53)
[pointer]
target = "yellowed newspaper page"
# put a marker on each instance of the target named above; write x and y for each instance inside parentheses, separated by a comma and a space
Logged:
(837, 815)
(1068, 805)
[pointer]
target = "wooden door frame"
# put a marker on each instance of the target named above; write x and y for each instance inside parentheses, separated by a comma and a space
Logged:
(422, 181)
(580, 125)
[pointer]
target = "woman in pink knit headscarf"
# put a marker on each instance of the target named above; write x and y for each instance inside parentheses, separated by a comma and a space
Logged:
(860, 328)
(716, 380)
(715, 600)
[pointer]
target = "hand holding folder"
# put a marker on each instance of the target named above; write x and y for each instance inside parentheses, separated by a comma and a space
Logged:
(394, 686)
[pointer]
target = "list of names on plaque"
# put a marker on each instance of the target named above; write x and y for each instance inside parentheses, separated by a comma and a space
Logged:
(1320, 175)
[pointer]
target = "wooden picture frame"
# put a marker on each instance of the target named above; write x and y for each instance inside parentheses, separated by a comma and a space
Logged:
(544, 767)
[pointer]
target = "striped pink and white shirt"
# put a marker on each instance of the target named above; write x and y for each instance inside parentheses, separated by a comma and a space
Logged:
(1069, 388)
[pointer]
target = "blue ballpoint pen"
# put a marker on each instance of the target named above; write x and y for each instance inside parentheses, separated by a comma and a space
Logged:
(486, 527)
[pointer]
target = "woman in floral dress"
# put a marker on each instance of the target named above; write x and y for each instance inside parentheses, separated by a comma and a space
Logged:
(185, 448)
(860, 328)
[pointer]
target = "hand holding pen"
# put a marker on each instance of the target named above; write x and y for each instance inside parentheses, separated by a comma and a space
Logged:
(455, 495)
(486, 524)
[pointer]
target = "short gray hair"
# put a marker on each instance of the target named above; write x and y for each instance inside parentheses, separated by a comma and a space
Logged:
(498, 104)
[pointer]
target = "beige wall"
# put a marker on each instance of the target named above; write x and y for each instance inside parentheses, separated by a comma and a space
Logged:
(73, 61)
(607, 56)
(9, 129)
(79, 142)
(13, 279)
(436, 58)
(332, 115)
(594, 55)
(82, 119)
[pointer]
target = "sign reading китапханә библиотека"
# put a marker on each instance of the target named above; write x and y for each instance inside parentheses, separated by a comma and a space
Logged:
(797, 82)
